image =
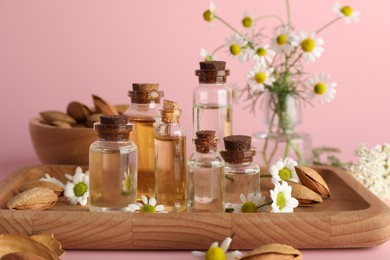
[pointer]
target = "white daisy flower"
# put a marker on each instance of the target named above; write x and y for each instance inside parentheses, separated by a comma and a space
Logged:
(346, 12)
(48, 178)
(247, 20)
(209, 14)
(283, 39)
(236, 45)
(206, 55)
(319, 85)
(284, 170)
(310, 45)
(250, 203)
(148, 206)
(127, 183)
(77, 190)
(259, 77)
(215, 252)
(281, 198)
(263, 55)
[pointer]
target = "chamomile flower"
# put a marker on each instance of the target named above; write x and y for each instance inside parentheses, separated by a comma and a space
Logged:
(311, 46)
(218, 253)
(247, 20)
(206, 55)
(127, 183)
(263, 54)
(319, 85)
(148, 206)
(236, 45)
(283, 39)
(250, 203)
(282, 201)
(209, 14)
(284, 170)
(346, 12)
(77, 190)
(48, 178)
(259, 77)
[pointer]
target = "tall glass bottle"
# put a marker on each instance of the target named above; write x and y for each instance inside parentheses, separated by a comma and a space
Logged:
(212, 100)
(112, 166)
(143, 112)
(170, 143)
(205, 186)
(242, 175)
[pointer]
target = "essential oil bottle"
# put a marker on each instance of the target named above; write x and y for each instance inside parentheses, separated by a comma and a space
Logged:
(206, 185)
(112, 165)
(242, 175)
(143, 113)
(170, 172)
(212, 100)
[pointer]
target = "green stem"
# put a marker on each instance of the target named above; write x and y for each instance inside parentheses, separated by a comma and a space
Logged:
(265, 204)
(270, 16)
(288, 13)
(327, 25)
(217, 49)
(231, 27)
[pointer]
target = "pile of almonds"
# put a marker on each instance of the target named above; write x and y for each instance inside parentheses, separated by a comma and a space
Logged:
(79, 115)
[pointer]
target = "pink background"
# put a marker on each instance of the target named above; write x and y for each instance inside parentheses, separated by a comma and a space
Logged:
(54, 52)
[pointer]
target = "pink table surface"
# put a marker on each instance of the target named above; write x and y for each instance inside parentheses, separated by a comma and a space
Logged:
(381, 252)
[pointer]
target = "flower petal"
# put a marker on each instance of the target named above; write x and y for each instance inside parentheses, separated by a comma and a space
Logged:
(160, 208)
(144, 199)
(242, 197)
(152, 201)
(233, 255)
(225, 244)
(198, 254)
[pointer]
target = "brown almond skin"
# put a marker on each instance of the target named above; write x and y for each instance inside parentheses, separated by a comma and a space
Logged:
(38, 198)
(303, 194)
(103, 106)
(52, 115)
(273, 252)
(58, 190)
(313, 180)
(22, 256)
(78, 111)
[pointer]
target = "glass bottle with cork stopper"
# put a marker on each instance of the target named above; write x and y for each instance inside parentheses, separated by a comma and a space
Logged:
(206, 187)
(212, 100)
(170, 172)
(112, 165)
(143, 113)
(242, 175)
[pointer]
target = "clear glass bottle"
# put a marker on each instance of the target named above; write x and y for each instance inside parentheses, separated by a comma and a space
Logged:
(143, 113)
(242, 175)
(170, 172)
(112, 166)
(205, 186)
(212, 100)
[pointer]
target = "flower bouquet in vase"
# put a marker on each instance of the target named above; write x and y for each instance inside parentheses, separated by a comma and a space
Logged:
(277, 82)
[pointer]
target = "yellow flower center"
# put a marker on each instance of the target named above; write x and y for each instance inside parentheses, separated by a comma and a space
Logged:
(346, 10)
(148, 209)
(285, 174)
(79, 189)
(261, 52)
(248, 207)
(281, 200)
(247, 22)
(235, 49)
(308, 45)
(208, 15)
(320, 88)
(260, 77)
(215, 253)
(281, 39)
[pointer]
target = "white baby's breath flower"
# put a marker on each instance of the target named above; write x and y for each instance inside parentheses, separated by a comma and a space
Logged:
(263, 55)
(319, 85)
(216, 253)
(283, 39)
(346, 12)
(52, 179)
(282, 201)
(259, 77)
(284, 170)
(236, 46)
(77, 190)
(148, 206)
(250, 203)
(206, 55)
(310, 45)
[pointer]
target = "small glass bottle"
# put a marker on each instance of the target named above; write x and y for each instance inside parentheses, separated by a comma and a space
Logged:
(170, 172)
(206, 187)
(112, 165)
(242, 175)
(212, 100)
(143, 113)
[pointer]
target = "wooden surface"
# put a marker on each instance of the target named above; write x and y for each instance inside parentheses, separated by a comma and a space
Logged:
(353, 217)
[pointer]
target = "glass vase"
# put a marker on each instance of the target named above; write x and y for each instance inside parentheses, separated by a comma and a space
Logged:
(280, 114)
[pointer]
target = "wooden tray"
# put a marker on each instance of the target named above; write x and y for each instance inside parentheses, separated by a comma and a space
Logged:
(352, 217)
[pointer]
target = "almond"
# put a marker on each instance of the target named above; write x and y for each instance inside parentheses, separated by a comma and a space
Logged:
(273, 252)
(313, 180)
(103, 106)
(39, 198)
(303, 194)
(52, 115)
(57, 189)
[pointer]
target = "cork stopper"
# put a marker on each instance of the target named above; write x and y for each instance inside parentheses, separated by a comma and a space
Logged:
(170, 112)
(205, 141)
(212, 72)
(113, 128)
(238, 149)
(144, 93)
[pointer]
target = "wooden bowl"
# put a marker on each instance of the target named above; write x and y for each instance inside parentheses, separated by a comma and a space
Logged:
(55, 145)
